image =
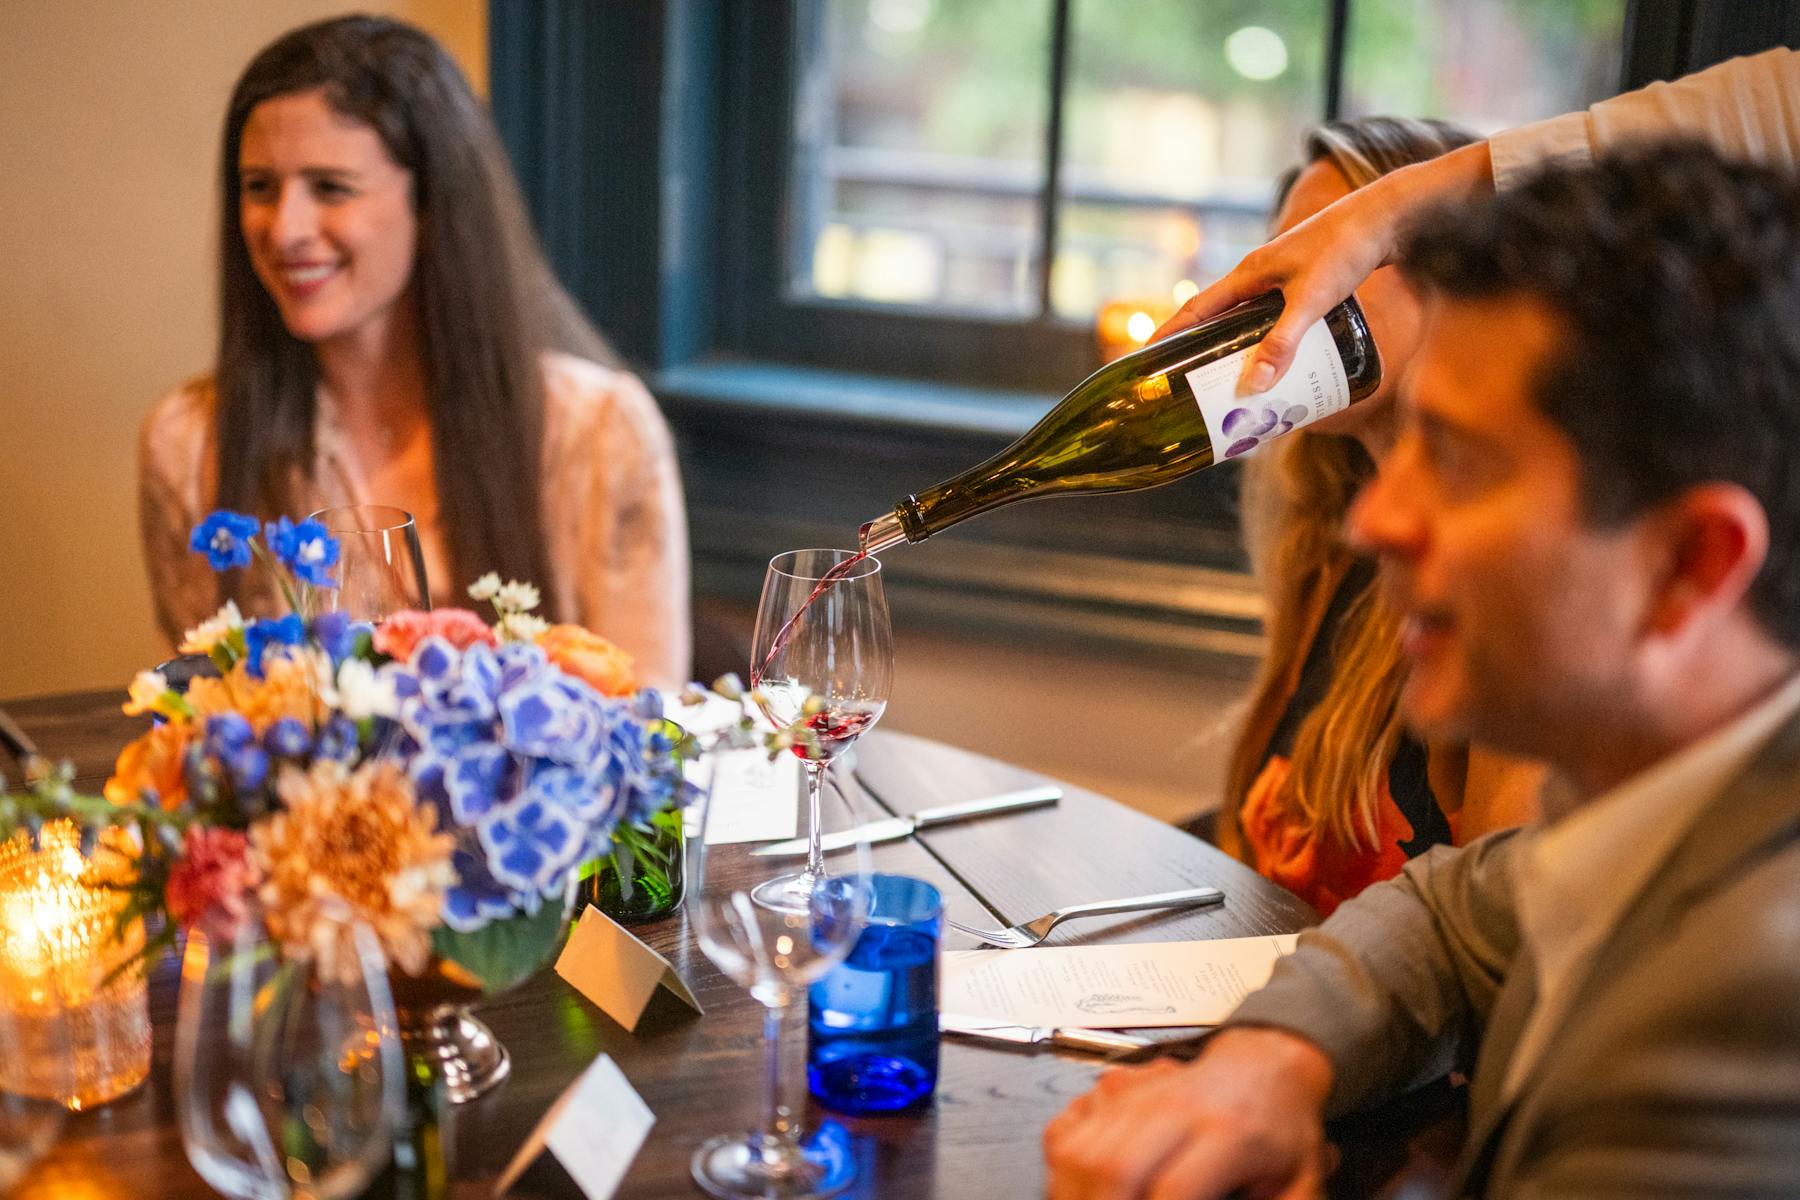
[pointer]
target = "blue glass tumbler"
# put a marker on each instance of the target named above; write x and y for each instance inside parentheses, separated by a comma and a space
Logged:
(872, 1022)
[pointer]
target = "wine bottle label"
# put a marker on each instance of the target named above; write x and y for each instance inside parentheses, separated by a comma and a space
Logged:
(1238, 422)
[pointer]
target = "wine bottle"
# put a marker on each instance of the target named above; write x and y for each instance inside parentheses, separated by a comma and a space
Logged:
(1155, 415)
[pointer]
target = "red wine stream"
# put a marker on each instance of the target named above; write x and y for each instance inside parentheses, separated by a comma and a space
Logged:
(785, 634)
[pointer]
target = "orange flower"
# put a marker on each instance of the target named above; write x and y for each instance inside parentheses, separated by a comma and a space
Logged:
(399, 635)
(590, 657)
(359, 837)
(153, 763)
(290, 688)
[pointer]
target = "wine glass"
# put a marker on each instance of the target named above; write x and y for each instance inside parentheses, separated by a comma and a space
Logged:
(776, 954)
(289, 1081)
(823, 641)
(381, 566)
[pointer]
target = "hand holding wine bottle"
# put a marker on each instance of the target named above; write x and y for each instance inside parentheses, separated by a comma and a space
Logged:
(1321, 261)
(1159, 413)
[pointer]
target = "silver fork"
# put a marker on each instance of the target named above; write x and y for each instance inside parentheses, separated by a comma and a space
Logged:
(1030, 933)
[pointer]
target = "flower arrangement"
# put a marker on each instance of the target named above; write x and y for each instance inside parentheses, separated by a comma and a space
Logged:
(442, 774)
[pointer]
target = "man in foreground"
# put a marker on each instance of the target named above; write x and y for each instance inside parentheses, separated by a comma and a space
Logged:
(1591, 522)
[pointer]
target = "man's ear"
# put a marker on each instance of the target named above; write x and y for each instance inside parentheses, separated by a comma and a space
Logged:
(1715, 537)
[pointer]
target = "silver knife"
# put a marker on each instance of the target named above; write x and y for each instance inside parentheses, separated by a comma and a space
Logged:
(1093, 1041)
(898, 827)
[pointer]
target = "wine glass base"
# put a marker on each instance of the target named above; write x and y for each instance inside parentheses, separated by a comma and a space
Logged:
(738, 1166)
(790, 893)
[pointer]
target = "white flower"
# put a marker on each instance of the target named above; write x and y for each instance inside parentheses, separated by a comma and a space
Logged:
(520, 627)
(203, 637)
(146, 689)
(516, 597)
(362, 692)
(485, 588)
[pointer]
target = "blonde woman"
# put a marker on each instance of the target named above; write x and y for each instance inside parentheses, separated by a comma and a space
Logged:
(1327, 791)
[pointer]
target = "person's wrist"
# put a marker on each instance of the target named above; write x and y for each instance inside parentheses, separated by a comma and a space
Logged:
(1295, 1059)
(1462, 174)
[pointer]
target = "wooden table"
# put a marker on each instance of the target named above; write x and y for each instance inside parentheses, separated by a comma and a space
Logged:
(702, 1077)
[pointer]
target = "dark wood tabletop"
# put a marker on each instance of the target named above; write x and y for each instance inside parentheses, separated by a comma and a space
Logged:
(703, 1076)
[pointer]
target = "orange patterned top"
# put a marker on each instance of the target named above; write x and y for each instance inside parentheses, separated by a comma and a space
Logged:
(1283, 846)
(612, 511)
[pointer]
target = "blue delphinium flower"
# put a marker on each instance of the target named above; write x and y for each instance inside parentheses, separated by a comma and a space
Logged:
(287, 738)
(224, 537)
(306, 549)
(226, 732)
(248, 766)
(259, 636)
(338, 635)
(339, 740)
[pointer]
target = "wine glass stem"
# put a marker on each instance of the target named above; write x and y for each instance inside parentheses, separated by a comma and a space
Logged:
(778, 1126)
(815, 785)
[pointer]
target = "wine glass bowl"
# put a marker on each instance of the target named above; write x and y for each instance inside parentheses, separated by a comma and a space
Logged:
(289, 1082)
(822, 656)
(381, 563)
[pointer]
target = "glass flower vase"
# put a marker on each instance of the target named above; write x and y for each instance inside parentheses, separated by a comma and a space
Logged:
(643, 879)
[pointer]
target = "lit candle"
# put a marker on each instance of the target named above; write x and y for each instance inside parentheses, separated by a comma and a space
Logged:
(1124, 325)
(78, 1033)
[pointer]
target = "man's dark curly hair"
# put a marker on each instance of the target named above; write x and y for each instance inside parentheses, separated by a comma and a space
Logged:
(1677, 277)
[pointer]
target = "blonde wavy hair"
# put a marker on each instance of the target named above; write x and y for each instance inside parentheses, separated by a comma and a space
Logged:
(1294, 502)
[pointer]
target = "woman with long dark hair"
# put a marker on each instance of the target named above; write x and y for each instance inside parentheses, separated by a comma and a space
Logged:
(390, 333)
(1328, 792)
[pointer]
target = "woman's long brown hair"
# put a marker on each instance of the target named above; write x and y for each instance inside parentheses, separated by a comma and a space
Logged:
(489, 305)
(1294, 502)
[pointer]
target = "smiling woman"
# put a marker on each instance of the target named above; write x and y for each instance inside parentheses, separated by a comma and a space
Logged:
(328, 220)
(389, 333)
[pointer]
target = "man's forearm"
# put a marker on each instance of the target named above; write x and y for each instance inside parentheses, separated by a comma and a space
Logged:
(1395, 986)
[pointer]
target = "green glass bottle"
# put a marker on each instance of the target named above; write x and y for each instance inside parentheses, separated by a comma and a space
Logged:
(1155, 415)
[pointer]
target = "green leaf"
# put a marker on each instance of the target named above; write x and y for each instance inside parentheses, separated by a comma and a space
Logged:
(505, 952)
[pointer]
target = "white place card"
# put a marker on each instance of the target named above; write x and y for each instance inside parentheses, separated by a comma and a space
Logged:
(1131, 986)
(594, 1129)
(754, 799)
(605, 963)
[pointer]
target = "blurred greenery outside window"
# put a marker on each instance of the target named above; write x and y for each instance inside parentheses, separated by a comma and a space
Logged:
(921, 131)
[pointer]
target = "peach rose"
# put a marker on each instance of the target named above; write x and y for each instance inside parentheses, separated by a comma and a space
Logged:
(152, 762)
(399, 635)
(591, 658)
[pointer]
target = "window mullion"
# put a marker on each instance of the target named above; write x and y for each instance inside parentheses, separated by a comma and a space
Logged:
(1051, 206)
(1337, 41)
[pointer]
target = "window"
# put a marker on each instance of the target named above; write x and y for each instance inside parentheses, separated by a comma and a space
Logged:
(925, 132)
(806, 221)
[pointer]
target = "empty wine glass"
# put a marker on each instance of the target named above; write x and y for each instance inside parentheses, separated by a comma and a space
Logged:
(381, 566)
(776, 955)
(289, 1081)
(822, 635)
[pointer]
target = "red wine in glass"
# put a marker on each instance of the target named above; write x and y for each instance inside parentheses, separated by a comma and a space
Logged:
(836, 728)
(823, 641)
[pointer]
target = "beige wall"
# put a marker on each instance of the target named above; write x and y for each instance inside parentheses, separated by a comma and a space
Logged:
(109, 119)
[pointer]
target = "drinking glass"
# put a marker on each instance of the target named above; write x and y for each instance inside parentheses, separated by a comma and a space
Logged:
(872, 1021)
(776, 954)
(288, 1081)
(822, 636)
(381, 566)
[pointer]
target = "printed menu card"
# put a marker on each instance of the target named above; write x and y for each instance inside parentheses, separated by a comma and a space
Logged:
(1132, 986)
